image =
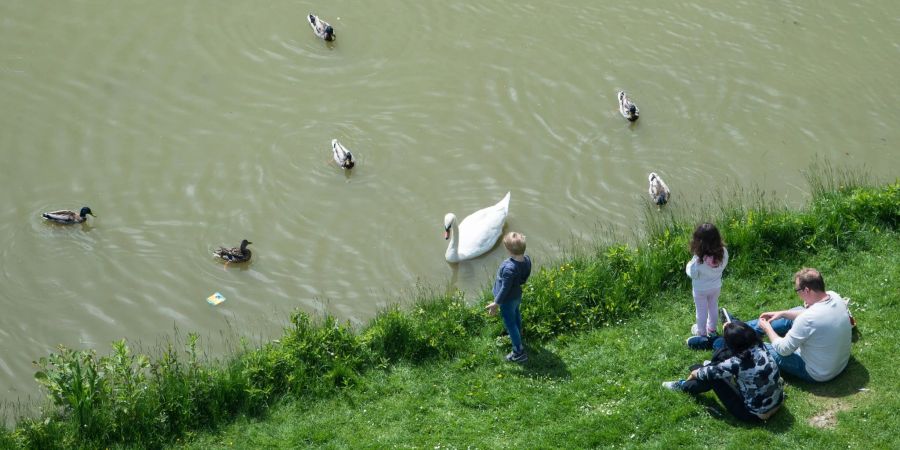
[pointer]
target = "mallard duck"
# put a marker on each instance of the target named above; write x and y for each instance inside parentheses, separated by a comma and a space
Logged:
(659, 192)
(628, 109)
(342, 156)
(68, 217)
(477, 233)
(320, 27)
(236, 254)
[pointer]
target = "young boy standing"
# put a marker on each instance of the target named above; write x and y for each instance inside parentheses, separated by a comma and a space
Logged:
(511, 275)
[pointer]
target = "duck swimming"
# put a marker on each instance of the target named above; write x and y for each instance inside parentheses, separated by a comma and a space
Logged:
(342, 155)
(659, 192)
(68, 217)
(321, 28)
(628, 109)
(236, 254)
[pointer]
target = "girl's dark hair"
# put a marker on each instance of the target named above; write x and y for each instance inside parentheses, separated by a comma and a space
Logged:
(708, 242)
(740, 337)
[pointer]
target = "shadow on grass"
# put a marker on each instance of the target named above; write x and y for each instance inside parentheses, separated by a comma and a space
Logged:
(854, 377)
(543, 364)
(781, 422)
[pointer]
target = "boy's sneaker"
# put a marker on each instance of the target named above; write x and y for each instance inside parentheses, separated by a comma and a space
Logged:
(700, 342)
(518, 357)
(673, 385)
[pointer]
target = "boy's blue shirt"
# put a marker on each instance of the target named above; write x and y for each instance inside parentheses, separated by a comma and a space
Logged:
(511, 275)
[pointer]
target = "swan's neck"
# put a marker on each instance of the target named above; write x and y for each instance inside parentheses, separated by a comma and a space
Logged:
(453, 249)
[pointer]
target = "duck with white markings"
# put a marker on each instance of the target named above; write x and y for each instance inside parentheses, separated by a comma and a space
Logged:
(342, 155)
(321, 28)
(659, 191)
(235, 254)
(477, 233)
(627, 108)
(68, 217)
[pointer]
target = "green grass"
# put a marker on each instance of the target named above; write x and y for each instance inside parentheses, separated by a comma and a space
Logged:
(604, 326)
(602, 388)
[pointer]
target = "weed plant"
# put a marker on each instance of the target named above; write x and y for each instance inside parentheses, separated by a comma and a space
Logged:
(131, 399)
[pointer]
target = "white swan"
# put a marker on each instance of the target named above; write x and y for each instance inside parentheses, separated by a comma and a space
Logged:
(477, 233)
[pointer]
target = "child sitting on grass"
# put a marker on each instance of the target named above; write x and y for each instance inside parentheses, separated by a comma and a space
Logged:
(746, 378)
(511, 275)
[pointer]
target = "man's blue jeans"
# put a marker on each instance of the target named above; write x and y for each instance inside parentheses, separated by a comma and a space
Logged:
(792, 364)
(512, 319)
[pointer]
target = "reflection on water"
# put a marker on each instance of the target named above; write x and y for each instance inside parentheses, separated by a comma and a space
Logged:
(190, 126)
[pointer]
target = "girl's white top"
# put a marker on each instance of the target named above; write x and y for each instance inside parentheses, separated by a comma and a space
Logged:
(704, 276)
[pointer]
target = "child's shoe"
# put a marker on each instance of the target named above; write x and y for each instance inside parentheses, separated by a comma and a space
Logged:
(518, 357)
(694, 330)
(673, 385)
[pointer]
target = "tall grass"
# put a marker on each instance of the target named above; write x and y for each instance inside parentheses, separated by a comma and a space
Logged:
(128, 398)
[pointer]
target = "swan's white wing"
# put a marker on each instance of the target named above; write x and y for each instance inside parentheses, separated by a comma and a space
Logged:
(479, 231)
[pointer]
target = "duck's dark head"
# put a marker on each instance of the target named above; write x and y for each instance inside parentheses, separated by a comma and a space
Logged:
(85, 211)
(348, 163)
(632, 113)
(661, 199)
(329, 33)
(244, 244)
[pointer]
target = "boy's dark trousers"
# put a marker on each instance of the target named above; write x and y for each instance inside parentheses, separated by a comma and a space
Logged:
(726, 390)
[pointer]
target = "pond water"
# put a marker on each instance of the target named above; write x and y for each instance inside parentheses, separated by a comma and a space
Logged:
(190, 125)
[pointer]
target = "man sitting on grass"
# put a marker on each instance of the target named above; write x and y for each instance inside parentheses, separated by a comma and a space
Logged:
(810, 342)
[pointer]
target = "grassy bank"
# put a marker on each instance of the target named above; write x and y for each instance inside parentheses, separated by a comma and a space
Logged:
(604, 328)
(602, 388)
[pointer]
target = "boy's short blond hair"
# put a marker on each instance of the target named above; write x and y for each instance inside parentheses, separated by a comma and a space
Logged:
(514, 242)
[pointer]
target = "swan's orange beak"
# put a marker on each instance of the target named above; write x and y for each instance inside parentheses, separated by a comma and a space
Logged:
(446, 234)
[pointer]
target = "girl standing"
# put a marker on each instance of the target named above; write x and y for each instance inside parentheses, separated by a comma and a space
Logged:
(705, 269)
